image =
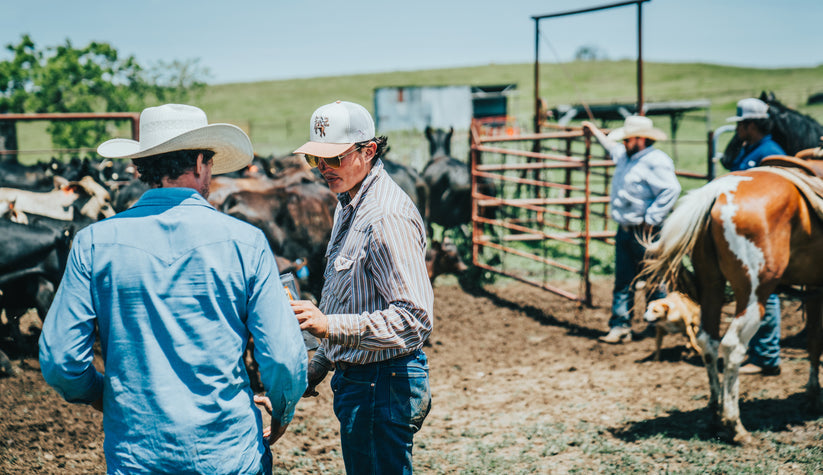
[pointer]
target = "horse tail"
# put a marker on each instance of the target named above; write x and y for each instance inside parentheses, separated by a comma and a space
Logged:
(663, 261)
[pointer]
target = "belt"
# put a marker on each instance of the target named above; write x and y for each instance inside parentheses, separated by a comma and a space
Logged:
(630, 227)
(344, 365)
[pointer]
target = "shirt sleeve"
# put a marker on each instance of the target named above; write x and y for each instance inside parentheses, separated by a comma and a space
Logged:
(67, 339)
(664, 186)
(398, 267)
(278, 344)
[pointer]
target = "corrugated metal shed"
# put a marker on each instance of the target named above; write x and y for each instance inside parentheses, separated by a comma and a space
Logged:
(415, 107)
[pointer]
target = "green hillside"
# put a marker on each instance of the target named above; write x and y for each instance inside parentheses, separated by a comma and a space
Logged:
(276, 113)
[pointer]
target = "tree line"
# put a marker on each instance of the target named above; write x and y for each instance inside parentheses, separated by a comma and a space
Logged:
(93, 78)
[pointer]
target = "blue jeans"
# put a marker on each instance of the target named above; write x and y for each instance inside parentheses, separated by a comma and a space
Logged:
(628, 252)
(764, 347)
(380, 406)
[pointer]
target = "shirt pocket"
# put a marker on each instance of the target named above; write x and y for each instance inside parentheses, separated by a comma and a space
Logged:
(348, 264)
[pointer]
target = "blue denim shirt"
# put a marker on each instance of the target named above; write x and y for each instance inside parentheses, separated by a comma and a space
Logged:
(173, 288)
(751, 155)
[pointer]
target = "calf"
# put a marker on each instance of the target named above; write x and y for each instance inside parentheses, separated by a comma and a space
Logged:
(443, 258)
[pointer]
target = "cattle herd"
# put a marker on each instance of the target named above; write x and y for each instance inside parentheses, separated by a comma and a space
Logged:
(42, 206)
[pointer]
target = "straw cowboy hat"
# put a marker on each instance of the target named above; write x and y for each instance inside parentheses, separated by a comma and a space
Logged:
(173, 127)
(637, 126)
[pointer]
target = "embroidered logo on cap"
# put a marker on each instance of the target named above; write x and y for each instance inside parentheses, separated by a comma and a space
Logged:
(320, 124)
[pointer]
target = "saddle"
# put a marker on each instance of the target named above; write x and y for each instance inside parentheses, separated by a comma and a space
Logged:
(810, 161)
(805, 170)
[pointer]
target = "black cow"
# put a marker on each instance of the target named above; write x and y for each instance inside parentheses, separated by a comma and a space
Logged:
(125, 194)
(411, 182)
(28, 177)
(32, 260)
(259, 166)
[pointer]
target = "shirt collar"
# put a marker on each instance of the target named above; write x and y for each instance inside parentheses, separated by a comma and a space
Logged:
(643, 152)
(345, 199)
(172, 197)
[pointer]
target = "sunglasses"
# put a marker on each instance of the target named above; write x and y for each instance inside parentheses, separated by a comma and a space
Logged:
(331, 162)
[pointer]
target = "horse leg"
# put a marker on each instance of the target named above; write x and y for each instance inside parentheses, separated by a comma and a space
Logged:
(733, 347)
(814, 332)
(711, 285)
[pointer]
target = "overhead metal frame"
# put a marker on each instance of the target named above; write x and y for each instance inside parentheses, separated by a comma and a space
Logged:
(537, 19)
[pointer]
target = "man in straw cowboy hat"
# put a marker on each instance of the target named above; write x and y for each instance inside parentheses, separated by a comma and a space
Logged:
(754, 129)
(173, 288)
(376, 309)
(644, 189)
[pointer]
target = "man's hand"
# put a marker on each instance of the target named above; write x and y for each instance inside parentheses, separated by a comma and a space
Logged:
(316, 374)
(273, 432)
(588, 126)
(311, 318)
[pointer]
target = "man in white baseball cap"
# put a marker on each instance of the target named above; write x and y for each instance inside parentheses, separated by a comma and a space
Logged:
(643, 191)
(750, 109)
(753, 129)
(376, 307)
(173, 288)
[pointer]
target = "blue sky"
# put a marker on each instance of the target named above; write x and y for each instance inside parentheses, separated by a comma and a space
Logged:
(256, 40)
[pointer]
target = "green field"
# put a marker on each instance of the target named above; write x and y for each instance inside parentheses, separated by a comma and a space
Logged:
(276, 113)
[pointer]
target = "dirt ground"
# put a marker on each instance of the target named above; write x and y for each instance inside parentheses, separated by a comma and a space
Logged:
(520, 384)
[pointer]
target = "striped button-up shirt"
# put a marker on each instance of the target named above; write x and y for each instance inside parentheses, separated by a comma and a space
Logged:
(377, 294)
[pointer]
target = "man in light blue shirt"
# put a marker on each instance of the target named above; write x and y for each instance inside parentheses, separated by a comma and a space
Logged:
(173, 289)
(643, 191)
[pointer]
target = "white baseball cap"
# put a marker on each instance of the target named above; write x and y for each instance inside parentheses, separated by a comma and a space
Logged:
(751, 108)
(335, 127)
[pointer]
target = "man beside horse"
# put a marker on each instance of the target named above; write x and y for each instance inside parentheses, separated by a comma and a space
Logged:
(753, 127)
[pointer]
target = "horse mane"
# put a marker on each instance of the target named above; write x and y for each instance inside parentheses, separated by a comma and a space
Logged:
(792, 130)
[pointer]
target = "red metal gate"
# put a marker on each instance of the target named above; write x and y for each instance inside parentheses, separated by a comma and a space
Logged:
(545, 210)
(549, 208)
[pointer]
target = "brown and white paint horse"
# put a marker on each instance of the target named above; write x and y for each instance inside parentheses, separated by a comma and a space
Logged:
(756, 230)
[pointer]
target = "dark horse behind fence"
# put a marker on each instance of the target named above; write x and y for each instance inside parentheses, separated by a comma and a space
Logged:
(449, 182)
(756, 230)
(790, 129)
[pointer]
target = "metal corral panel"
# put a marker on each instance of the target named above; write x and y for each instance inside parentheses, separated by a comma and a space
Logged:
(416, 107)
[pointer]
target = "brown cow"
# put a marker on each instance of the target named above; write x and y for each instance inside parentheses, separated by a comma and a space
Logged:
(443, 258)
(296, 219)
